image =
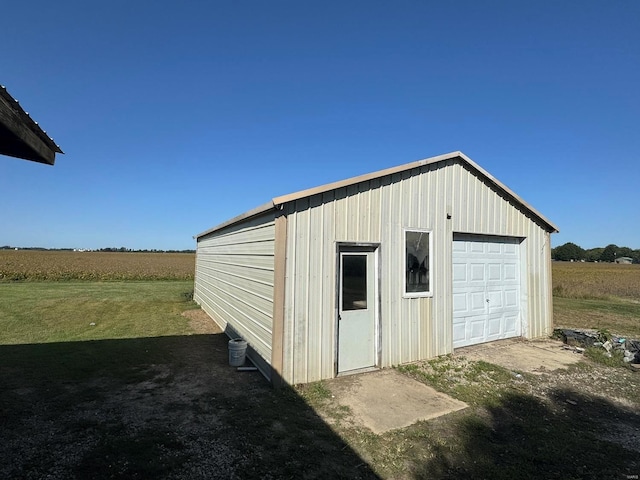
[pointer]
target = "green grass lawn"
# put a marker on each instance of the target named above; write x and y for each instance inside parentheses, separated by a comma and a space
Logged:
(617, 315)
(42, 312)
(139, 395)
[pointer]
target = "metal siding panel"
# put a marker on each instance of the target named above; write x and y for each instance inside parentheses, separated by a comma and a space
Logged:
(279, 292)
(425, 337)
(253, 262)
(242, 272)
(539, 279)
(260, 248)
(396, 255)
(327, 253)
(441, 244)
(316, 289)
(301, 291)
(290, 298)
(411, 329)
(374, 210)
(351, 213)
(364, 207)
(340, 215)
(389, 263)
(250, 234)
(234, 280)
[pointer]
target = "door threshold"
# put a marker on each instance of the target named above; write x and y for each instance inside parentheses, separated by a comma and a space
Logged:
(358, 370)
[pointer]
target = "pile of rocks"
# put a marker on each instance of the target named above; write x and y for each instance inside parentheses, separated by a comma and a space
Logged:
(581, 339)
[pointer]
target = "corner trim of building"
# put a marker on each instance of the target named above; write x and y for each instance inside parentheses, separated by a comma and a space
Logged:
(279, 275)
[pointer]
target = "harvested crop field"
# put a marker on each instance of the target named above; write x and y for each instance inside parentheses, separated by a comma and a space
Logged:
(129, 379)
(100, 266)
(596, 280)
(598, 296)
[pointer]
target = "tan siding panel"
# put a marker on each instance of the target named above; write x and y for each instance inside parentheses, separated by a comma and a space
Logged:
(377, 211)
(234, 279)
(244, 249)
(315, 315)
(327, 251)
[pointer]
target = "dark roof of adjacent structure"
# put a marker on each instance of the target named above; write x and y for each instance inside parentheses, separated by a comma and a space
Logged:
(281, 200)
(21, 136)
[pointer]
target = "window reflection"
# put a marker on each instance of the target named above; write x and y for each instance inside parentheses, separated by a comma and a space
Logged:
(354, 282)
(417, 266)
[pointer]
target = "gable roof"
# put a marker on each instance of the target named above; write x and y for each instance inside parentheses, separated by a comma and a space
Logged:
(277, 202)
(21, 136)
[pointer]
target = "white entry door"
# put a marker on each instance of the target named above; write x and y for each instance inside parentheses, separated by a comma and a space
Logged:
(486, 289)
(357, 310)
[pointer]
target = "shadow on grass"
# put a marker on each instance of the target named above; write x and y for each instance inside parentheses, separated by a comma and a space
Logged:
(571, 437)
(165, 407)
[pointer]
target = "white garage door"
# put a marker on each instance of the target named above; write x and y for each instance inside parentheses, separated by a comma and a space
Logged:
(486, 289)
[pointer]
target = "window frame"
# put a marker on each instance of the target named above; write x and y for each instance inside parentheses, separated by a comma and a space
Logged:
(429, 292)
(344, 255)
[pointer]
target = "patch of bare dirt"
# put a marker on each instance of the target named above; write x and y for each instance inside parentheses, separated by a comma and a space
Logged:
(159, 407)
(200, 322)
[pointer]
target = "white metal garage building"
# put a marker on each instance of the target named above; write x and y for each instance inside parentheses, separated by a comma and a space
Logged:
(387, 268)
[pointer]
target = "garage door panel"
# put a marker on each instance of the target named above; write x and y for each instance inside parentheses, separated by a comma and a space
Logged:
(486, 289)
(510, 249)
(459, 247)
(460, 303)
(459, 332)
(476, 302)
(493, 248)
(475, 247)
(510, 273)
(477, 272)
(511, 324)
(459, 273)
(495, 300)
(494, 271)
(494, 325)
(512, 298)
(475, 328)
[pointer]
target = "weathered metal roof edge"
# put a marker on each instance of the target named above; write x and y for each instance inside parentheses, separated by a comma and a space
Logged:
(278, 201)
(362, 178)
(507, 190)
(243, 216)
(33, 125)
(408, 166)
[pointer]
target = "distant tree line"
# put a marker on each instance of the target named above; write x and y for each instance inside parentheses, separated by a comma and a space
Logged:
(107, 249)
(153, 250)
(570, 251)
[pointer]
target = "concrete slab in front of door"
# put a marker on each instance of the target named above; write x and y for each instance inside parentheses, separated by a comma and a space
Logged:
(386, 400)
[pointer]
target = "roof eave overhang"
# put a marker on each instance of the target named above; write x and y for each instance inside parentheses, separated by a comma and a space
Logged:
(409, 166)
(279, 202)
(244, 216)
(21, 136)
(541, 218)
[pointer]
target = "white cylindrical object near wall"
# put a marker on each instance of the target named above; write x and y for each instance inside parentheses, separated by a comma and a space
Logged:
(237, 352)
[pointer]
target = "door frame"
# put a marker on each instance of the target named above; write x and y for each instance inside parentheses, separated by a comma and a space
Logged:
(358, 247)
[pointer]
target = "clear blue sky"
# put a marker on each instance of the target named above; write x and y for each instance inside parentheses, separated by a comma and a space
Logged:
(176, 116)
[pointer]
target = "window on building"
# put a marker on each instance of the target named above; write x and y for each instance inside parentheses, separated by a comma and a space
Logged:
(417, 282)
(354, 282)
